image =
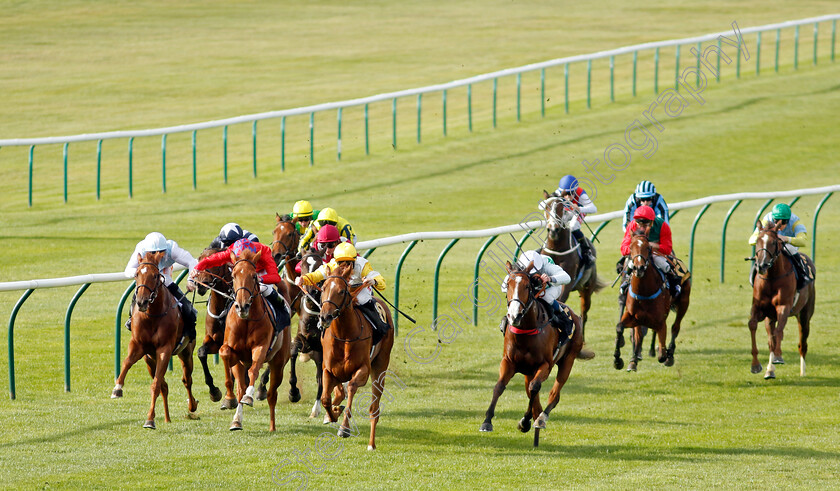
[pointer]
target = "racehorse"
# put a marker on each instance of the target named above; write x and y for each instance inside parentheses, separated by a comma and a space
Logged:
(250, 339)
(348, 354)
(531, 348)
(157, 330)
(648, 304)
(560, 246)
(775, 298)
(218, 281)
(284, 248)
(308, 339)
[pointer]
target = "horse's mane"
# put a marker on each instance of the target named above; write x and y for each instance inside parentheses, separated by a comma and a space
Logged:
(152, 257)
(248, 255)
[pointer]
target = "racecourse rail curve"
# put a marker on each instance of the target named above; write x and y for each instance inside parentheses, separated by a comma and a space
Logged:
(371, 245)
(733, 38)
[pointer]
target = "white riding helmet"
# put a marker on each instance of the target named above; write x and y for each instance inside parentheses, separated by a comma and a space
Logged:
(154, 242)
(529, 256)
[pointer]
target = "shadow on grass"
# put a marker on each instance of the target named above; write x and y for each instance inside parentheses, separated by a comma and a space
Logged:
(82, 430)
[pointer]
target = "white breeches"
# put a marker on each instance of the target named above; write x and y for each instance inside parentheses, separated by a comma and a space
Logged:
(573, 224)
(661, 263)
(552, 293)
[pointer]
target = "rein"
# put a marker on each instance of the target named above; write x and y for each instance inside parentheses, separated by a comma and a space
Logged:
(153, 295)
(350, 297)
(526, 306)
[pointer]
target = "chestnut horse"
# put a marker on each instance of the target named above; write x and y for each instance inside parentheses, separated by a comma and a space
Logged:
(648, 305)
(308, 339)
(531, 349)
(347, 347)
(775, 299)
(249, 339)
(156, 332)
(562, 249)
(218, 281)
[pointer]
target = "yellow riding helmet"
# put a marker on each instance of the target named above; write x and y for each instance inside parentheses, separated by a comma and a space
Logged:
(345, 252)
(302, 209)
(328, 215)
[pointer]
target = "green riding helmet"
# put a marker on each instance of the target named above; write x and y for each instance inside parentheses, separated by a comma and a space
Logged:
(781, 212)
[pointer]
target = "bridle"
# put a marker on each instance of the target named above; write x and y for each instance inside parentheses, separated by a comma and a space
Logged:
(346, 299)
(288, 251)
(763, 266)
(639, 271)
(153, 294)
(251, 293)
(533, 293)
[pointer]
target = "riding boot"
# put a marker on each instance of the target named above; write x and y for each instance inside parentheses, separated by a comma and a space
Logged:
(188, 313)
(585, 248)
(802, 270)
(619, 266)
(283, 318)
(673, 283)
(369, 309)
(504, 324)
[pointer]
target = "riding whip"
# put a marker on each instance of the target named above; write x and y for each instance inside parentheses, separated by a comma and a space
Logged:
(394, 307)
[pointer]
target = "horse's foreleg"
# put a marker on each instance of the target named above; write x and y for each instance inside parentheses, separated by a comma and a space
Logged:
(524, 424)
(229, 359)
(636, 338)
(294, 392)
(215, 393)
(187, 363)
(326, 395)
(564, 368)
(261, 393)
(771, 344)
(753, 325)
(163, 361)
(661, 334)
(258, 358)
(135, 352)
(359, 379)
(275, 368)
(317, 357)
(585, 305)
(157, 368)
(534, 389)
(240, 375)
(506, 372)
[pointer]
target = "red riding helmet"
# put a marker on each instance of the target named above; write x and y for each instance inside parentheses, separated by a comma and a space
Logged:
(328, 233)
(645, 212)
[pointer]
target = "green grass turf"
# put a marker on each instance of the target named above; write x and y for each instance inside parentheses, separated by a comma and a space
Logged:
(704, 422)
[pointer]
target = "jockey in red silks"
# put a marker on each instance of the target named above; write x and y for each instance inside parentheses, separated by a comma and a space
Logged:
(326, 240)
(658, 233)
(266, 272)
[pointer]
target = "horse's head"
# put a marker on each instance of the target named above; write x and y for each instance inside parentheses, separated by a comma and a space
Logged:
(286, 239)
(217, 277)
(558, 214)
(768, 246)
(246, 286)
(148, 279)
(309, 309)
(640, 254)
(521, 291)
(335, 293)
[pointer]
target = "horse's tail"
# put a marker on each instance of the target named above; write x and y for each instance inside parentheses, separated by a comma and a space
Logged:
(598, 284)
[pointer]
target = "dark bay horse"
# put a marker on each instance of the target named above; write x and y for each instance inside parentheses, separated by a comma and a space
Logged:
(219, 282)
(532, 350)
(156, 332)
(284, 248)
(561, 247)
(249, 339)
(648, 305)
(347, 347)
(775, 299)
(308, 339)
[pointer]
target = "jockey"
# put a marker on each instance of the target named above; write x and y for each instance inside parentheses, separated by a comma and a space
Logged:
(645, 195)
(327, 216)
(659, 236)
(363, 274)
(229, 234)
(155, 242)
(581, 204)
(303, 214)
(326, 241)
(790, 231)
(266, 271)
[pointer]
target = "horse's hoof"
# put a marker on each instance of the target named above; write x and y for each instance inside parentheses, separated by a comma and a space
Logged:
(344, 432)
(539, 424)
(116, 394)
(294, 394)
(621, 342)
(756, 368)
(326, 419)
(303, 357)
(585, 354)
(524, 425)
(236, 426)
(618, 363)
(663, 358)
(669, 362)
(769, 375)
(631, 367)
(150, 424)
(778, 360)
(261, 393)
(371, 447)
(247, 400)
(486, 427)
(215, 394)
(229, 404)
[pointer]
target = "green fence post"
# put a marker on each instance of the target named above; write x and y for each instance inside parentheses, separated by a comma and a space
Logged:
(65, 170)
(814, 228)
(367, 138)
(566, 86)
(31, 167)
(635, 61)
(475, 277)
(469, 106)
(118, 332)
(311, 139)
(723, 237)
(67, 335)
(598, 230)
(130, 165)
(397, 284)
(758, 217)
(495, 88)
(793, 202)
(612, 78)
(672, 214)
(254, 146)
(717, 75)
(542, 92)
(283, 144)
(419, 111)
(778, 36)
(224, 152)
(163, 162)
(816, 31)
(588, 83)
(368, 253)
(98, 167)
(796, 48)
(394, 124)
(757, 55)
(694, 229)
(444, 113)
(17, 307)
(656, 71)
(522, 241)
(195, 176)
(518, 92)
(437, 276)
(677, 70)
(338, 136)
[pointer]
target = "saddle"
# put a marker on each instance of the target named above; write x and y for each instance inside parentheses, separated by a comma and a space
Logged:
(679, 267)
(563, 322)
(378, 324)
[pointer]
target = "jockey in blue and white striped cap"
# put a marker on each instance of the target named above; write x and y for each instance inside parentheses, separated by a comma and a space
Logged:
(646, 195)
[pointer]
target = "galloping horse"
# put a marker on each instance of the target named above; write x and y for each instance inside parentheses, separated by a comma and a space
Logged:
(218, 280)
(560, 246)
(308, 339)
(156, 334)
(284, 248)
(250, 340)
(775, 298)
(348, 356)
(648, 305)
(531, 348)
